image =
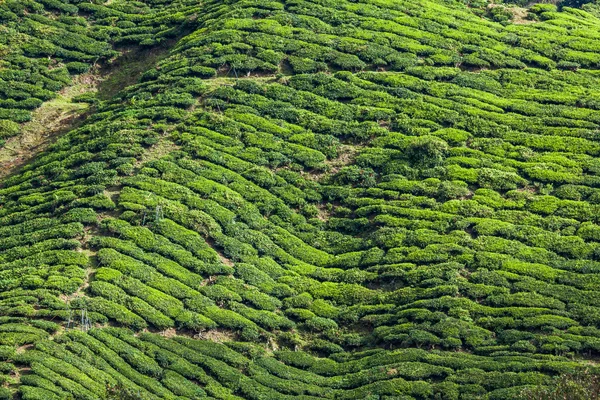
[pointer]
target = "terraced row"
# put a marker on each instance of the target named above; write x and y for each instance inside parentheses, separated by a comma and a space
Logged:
(112, 361)
(44, 43)
(419, 231)
(313, 35)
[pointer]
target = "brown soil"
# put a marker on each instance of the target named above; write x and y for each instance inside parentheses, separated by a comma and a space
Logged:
(22, 349)
(519, 13)
(520, 16)
(347, 154)
(217, 335)
(169, 333)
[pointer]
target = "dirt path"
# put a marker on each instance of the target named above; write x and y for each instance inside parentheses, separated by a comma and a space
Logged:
(60, 115)
(48, 122)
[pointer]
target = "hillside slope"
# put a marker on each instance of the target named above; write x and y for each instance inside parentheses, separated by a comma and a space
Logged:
(338, 199)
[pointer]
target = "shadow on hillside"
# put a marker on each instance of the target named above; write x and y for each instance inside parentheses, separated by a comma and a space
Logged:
(127, 69)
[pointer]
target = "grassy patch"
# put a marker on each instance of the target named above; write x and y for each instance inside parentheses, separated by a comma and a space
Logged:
(49, 120)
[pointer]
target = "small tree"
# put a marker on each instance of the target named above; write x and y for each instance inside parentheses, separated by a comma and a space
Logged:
(427, 151)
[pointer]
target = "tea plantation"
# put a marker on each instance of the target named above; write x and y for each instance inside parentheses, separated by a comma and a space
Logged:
(300, 199)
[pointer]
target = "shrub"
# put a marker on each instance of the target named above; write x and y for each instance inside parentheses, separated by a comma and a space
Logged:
(8, 128)
(580, 385)
(76, 67)
(452, 136)
(426, 151)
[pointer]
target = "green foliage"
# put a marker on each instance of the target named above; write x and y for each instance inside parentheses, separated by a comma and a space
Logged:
(426, 151)
(583, 384)
(316, 199)
(8, 128)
